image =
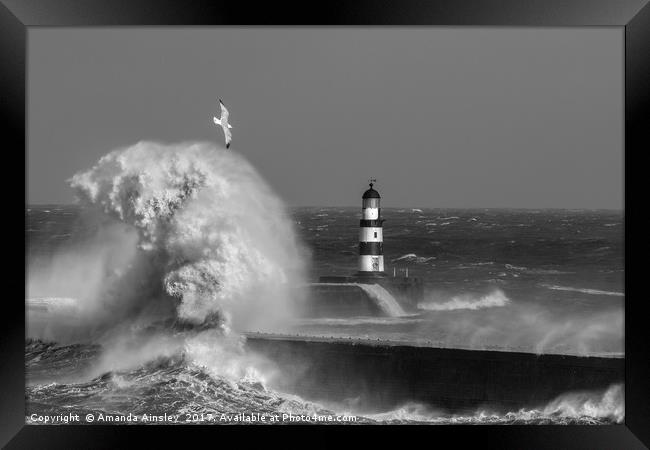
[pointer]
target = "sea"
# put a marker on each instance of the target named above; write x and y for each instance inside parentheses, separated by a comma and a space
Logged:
(532, 280)
(140, 296)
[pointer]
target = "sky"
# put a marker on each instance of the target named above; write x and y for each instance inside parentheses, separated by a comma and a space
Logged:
(457, 117)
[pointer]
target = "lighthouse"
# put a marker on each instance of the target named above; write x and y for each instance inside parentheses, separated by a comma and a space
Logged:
(369, 285)
(371, 239)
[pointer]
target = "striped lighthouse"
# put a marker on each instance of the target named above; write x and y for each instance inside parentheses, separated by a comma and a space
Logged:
(371, 239)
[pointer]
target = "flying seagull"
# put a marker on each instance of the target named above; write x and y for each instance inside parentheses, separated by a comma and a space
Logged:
(223, 121)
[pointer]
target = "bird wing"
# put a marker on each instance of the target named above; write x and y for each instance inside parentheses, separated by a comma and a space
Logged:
(224, 112)
(227, 134)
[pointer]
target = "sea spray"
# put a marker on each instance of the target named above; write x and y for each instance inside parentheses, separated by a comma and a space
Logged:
(494, 299)
(609, 404)
(377, 294)
(205, 248)
(217, 234)
(585, 407)
(85, 282)
(224, 356)
(383, 298)
(494, 319)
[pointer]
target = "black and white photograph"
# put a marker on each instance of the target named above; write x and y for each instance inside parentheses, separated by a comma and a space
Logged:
(325, 225)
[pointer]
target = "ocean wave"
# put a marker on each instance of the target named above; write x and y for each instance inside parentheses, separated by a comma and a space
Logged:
(583, 290)
(601, 249)
(609, 404)
(182, 385)
(519, 268)
(190, 236)
(529, 271)
(414, 257)
(207, 224)
(495, 299)
(587, 408)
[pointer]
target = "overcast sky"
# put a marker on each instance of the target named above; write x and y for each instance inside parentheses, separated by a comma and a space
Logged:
(442, 117)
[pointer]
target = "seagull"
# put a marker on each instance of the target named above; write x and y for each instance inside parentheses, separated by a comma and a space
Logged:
(223, 121)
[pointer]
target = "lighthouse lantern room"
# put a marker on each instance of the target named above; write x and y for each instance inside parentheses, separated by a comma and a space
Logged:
(371, 239)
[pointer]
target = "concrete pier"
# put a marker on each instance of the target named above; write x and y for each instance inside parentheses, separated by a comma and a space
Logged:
(379, 376)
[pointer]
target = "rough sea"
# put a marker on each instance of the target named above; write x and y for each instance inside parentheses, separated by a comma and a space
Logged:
(124, 319)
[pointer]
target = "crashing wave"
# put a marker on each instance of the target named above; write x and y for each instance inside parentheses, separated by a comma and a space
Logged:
(383, 299)
(379, 295)
(588, 407)
(209, 225)
(192, 244)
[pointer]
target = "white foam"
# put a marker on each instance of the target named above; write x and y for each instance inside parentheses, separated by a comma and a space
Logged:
(383, 299)
(407, 256)
(414, 257)
(608, 404)
(494, 299)
(378, 294)
(583, 290)
(585, 407)
(221, 237)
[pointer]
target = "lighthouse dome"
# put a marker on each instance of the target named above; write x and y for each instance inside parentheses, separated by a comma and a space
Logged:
(371, 193)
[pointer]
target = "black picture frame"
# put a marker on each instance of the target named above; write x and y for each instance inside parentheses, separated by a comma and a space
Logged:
(17, 16)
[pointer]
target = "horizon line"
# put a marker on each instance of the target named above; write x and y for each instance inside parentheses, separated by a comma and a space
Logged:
(622, 209)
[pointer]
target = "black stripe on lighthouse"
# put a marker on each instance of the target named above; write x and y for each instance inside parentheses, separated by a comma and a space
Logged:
(371, 248)
(371, 223)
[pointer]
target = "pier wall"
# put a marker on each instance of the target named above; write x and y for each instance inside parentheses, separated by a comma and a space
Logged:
(338, 300)
(380, 377)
